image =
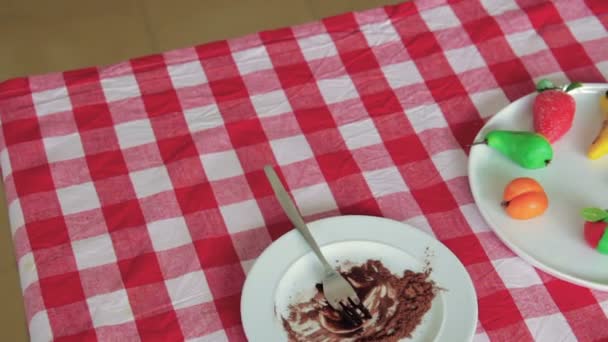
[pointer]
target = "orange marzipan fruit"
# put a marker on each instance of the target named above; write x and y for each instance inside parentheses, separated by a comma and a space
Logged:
(524, 198)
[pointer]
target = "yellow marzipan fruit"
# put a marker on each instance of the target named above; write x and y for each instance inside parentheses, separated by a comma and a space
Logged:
(599, 147)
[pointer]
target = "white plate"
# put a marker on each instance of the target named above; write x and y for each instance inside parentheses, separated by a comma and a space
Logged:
(553, 242)
(288, 268)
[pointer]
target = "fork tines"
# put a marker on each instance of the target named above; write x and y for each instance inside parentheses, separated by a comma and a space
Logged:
(361, 307)
(354, 313)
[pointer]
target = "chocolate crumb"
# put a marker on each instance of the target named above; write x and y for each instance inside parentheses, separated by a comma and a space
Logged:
(397, 305)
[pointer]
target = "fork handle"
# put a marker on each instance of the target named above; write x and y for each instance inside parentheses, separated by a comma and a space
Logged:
(294, 215)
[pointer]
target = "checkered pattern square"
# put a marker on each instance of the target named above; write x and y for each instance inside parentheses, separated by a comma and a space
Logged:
(137, 199)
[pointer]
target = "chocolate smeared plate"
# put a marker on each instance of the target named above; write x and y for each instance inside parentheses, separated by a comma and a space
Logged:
(396, 303)
(287, 271)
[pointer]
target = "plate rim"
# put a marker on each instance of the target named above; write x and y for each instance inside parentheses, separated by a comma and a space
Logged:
(498, 232)
(465, 283)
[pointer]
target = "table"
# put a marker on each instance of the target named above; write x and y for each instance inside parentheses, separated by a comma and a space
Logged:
(136, 193)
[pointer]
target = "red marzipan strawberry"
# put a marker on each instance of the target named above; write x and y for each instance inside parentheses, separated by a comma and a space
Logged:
(595, 232)
(553, 110)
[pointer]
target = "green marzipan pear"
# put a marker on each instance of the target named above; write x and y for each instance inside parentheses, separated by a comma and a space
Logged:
(527, 149)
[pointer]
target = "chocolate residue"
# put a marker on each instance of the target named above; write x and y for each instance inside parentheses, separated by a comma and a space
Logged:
(397, 305)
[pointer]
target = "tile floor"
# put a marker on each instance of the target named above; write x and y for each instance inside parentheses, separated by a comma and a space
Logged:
(44, 36)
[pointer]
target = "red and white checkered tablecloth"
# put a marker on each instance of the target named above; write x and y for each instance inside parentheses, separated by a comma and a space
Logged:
(136, 193)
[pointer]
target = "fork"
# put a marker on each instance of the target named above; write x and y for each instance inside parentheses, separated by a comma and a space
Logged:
(337, 290)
